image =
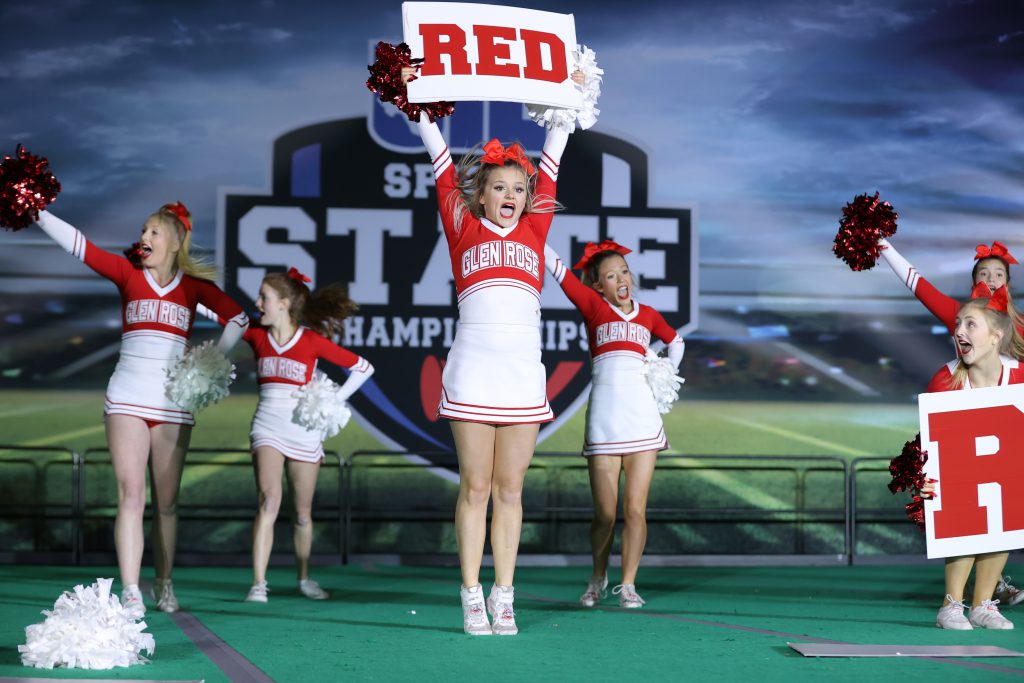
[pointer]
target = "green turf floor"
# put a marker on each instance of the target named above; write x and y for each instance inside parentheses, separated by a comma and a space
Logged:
(403, 623)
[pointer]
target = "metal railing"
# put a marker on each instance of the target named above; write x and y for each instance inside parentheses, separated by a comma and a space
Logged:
(41, 502)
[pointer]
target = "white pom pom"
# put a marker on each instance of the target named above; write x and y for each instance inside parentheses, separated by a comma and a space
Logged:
(320, 407)
(200, 378)
(662, 379)
(557, 118)
(87, 629)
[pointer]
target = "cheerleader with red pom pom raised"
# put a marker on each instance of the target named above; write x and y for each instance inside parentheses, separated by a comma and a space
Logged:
(157, 383)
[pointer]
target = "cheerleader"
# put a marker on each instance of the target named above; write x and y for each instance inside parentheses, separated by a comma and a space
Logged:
(624, 429)
(984, 334)
(293, 335)
(496, 211)
(992, 267)
(159, 295)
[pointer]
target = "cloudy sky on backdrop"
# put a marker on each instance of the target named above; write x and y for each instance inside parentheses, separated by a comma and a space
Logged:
(767, 115)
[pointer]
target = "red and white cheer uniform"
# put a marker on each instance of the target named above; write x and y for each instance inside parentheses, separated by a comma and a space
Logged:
(281, 371)
(1012, 373)
(156, 325)
(622, 416)
(494, 372)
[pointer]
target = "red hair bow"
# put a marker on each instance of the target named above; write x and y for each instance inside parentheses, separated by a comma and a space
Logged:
(592, 250)
(294, 274)
(179, 210)
(998, 300)
(497, 155)
(997, 250)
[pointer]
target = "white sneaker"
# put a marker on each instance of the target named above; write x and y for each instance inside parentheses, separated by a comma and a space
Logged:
(1006, 593)
(258, 592)
(499, 606)
(988, 616)
(952, 616)
(597, 590)
(474, 614)
(312, 590)
(131, 600)
(628, 596)
(163, 593)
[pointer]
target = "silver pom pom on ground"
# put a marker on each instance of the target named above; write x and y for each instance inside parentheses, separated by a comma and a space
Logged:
(87, 629)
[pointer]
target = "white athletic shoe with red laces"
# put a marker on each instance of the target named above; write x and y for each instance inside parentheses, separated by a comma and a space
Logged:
(131, 600)
(1006, 593)
(987, 616)
(499, 606)
(597, 590)
(474, 613)
(952, 616)
(163, 593)
(628, 597)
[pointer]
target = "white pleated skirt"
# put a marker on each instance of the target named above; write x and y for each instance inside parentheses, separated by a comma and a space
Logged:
(494, 375)
(622, 416)
(138, 388)
(272, 425)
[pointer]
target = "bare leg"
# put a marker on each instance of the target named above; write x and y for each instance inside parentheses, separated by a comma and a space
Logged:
(958, 569)
(302, 484)
(513, 450)
(639, 469)
(988, 570)
(474, 444)
(169, 447)
(268, 465)
(604, 488)
(128, 439)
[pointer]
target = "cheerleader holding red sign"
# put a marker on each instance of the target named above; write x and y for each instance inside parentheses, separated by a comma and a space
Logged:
(984, 334)
(496, 209)
(865, 227)
(160, 289)
(297, 409)
(624, 429)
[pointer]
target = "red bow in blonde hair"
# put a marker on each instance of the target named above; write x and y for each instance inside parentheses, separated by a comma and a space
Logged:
(998, 300)
(592, 250)
(997, 250)
(294, 274)
(179, 210)
(495, 154)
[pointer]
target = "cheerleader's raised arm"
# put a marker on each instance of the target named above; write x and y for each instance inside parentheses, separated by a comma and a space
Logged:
(120, 271)
(941, 306)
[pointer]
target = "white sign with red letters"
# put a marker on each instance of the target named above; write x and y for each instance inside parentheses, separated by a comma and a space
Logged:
(975, 444)
(491, 52)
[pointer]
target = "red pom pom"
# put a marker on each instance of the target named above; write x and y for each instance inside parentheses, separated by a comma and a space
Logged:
(386, 81)
(865, 221)
(915, 512)
(26, 188)
(907, 468)
(134, 254)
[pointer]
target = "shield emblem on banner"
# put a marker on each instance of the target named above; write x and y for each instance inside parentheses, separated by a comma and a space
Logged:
(353, 201)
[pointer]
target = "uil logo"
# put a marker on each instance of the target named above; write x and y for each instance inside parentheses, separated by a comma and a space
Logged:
(353, 201)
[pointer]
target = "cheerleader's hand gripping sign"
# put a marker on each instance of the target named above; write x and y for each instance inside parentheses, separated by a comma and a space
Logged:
(490, 52)
(975, 444)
